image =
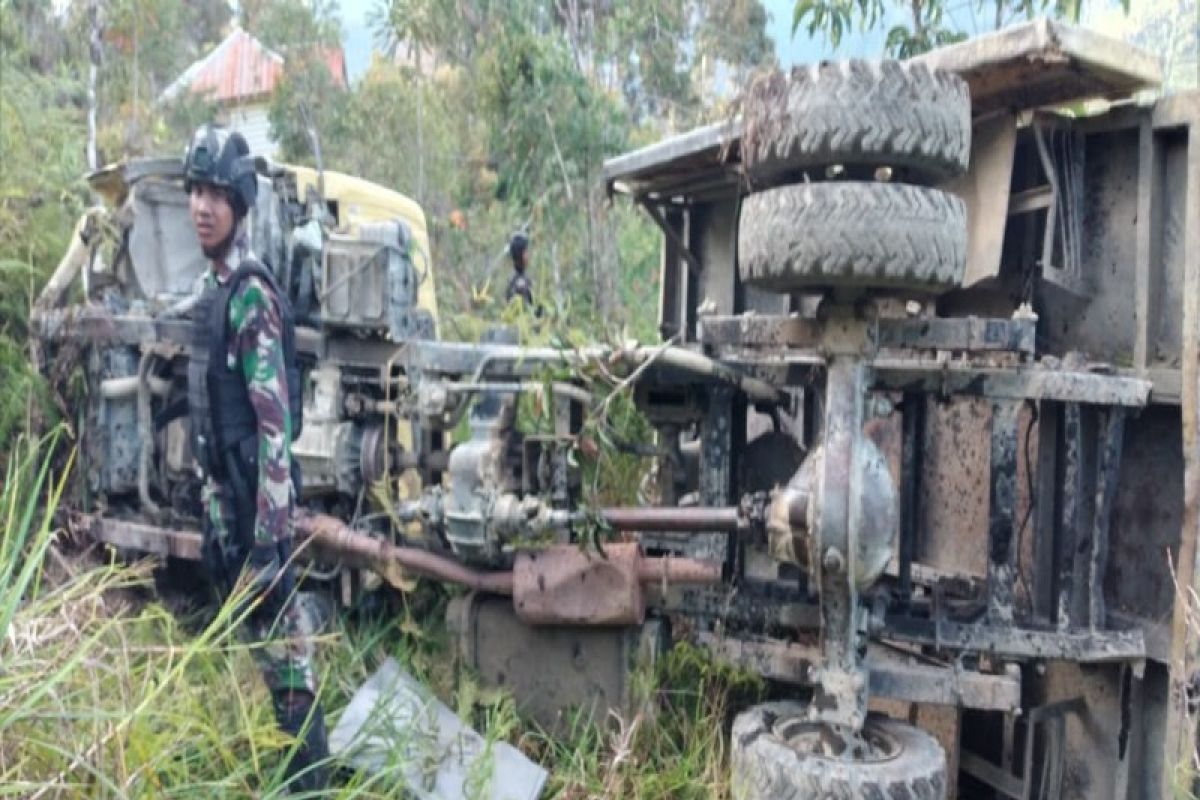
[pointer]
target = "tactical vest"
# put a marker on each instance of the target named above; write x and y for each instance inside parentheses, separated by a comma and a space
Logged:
(224, 423)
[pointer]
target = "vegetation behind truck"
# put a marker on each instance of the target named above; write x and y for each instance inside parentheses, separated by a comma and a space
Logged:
(924, 412)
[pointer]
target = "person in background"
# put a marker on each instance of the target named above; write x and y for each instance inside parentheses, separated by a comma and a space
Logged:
(519, 285)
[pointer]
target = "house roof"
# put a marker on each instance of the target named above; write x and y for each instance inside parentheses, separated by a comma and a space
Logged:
(242, 68)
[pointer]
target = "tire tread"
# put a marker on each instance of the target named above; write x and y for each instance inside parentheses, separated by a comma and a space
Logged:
(879, 113)
(852, 233)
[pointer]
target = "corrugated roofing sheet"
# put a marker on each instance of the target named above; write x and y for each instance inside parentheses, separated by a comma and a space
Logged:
(241, 68)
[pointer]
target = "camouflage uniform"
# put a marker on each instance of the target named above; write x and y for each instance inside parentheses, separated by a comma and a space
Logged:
(256, 348)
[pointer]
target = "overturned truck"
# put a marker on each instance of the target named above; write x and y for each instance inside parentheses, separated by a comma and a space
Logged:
(925, 420)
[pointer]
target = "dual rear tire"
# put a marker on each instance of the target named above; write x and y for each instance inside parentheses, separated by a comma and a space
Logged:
(806, 230)
(802, 232)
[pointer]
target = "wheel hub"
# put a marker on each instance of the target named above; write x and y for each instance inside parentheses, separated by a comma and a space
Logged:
(870, 745)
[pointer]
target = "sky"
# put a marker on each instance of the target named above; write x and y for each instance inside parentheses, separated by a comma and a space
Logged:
(358, 38)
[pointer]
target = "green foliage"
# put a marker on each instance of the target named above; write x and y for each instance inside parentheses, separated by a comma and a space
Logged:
(836, 18)
(41, 195)
(106, 692)
(927, 25)
(1171, 29)
(674, 747)
(289, 24)
(522, 102)
(145, 45)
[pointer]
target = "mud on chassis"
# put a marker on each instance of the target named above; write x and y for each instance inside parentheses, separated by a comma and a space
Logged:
(807, 518)
(1029, 615)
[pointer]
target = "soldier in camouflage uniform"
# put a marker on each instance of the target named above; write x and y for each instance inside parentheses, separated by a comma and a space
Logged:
(249, 490)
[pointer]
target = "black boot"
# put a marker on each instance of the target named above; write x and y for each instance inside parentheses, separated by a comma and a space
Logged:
(308, 769)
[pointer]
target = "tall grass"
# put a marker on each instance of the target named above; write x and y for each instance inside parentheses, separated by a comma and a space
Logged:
(105, 692)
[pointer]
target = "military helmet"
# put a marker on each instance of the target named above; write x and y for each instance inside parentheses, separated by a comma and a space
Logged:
(518, 244)
(220, 157)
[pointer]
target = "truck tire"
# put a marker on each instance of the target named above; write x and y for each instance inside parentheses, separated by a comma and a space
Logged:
(873, 113)
(768, 765)
(883, 235)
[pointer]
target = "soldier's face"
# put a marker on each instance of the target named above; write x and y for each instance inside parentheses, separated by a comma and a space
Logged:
(212, 217)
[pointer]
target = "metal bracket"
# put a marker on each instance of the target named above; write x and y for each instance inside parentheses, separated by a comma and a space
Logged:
(962, 334)
(688, 256)
(1052, 717)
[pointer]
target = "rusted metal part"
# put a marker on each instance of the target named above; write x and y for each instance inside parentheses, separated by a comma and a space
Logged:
(553, 672)
(961, 376)
(745, 330)
(1053, 717)
(788, 530)
(1068, 581)
(917, 681)
(334, 535)
(567, 585)
(891, 674)
(508, 361)
(1021, 383)
(93, 324)
(669, 569)
(1002, 546)
(726, 518)
(154, 539)
(967, 334)
(672, 235)
(791, 513)
(754, 606)
(1108, 466)
(911, 452)
(1018, 643)
(797, 509)
(987, 773)
(325, 532)
(1045, 523)
(720, 440)
(841, 696)
(1045, 724)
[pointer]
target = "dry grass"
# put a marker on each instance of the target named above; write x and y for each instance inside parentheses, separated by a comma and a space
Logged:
(104, 692)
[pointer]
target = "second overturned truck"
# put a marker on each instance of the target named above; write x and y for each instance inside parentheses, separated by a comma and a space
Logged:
(925, 422)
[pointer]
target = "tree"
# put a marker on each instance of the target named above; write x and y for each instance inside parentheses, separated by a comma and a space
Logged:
(306, 33)
(1170, 29)
(289, 24)
(548, 90)
(927, 25)
(42, 123)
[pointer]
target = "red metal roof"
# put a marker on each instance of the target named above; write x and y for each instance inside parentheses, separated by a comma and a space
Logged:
(242, 68)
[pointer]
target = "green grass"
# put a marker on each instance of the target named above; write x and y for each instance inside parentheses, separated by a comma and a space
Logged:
(104, 692)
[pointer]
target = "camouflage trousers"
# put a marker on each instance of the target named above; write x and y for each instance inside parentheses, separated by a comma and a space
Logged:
(281, 633)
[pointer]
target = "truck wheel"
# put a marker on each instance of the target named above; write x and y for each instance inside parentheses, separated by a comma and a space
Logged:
(886, 235)
(857, 112)
(777, 755)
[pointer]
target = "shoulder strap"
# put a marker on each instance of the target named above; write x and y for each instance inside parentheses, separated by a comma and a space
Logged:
(251, 266)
